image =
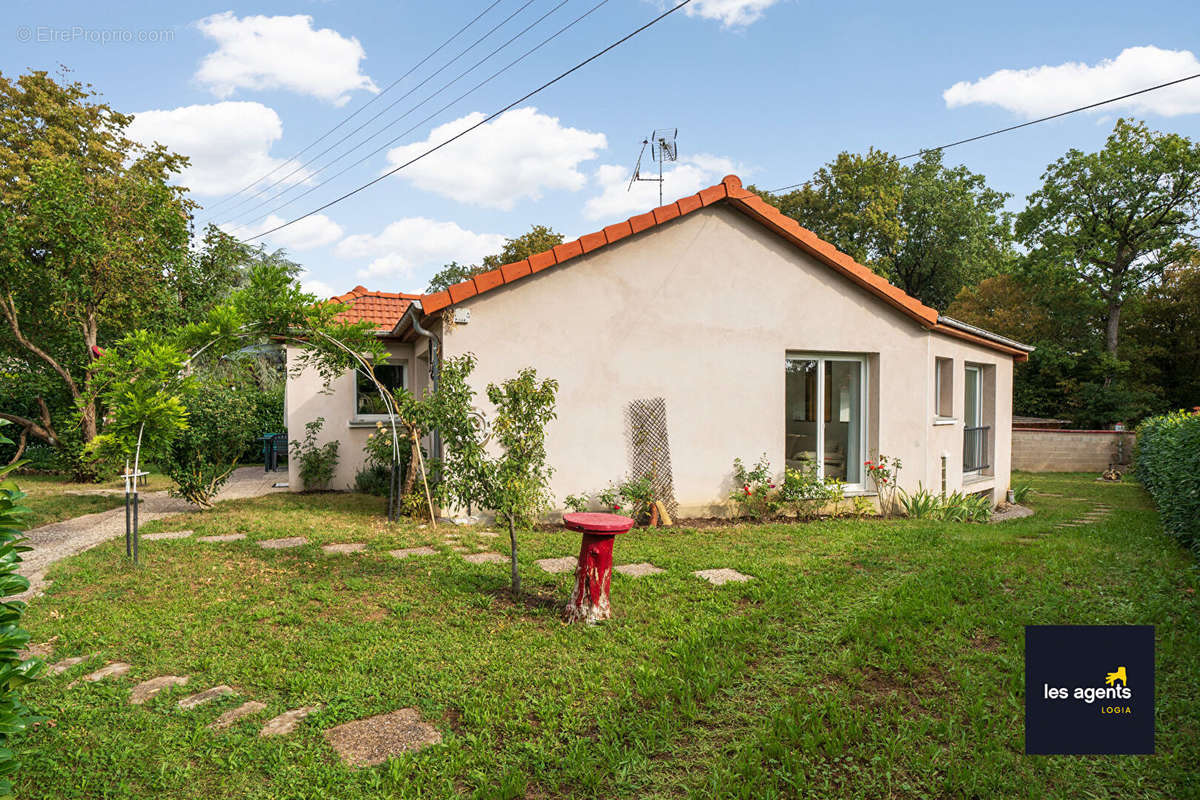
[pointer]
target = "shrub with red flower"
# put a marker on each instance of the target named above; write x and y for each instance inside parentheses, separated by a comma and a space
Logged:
(884, 472)
(754, 495)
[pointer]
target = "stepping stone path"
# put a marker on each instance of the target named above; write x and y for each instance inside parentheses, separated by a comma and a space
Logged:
(224, 537)
(458, 549)
(66, 664)
(488, 534)
(147, 689)
(114, 670)
(371, 741)
(286, 722)
(349, 547)
(1098, 513)
(412, 551)
(233, 715)
(639, 570)
(42, 650)
(556, 565)
(719, 577)
(486, 558)
(155, 537)
(281, 544)
(207, 696)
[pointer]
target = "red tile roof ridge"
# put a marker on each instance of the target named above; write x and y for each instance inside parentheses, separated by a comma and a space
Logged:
(729, 190)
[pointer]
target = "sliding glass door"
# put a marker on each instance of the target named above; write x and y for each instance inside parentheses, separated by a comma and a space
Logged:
(825, 430)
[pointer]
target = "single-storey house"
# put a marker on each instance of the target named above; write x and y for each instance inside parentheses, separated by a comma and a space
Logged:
(713, 327)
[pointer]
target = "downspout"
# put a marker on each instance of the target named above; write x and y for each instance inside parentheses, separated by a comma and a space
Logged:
(435, 354)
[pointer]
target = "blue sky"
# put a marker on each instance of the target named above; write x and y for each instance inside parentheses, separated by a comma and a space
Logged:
(770, 89)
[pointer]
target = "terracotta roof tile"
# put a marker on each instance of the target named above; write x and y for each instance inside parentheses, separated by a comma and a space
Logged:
(488, 280)
(728, 190)
(382, 308)
(518, 269)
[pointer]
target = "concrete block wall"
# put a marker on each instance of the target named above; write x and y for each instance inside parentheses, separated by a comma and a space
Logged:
(1050, 450)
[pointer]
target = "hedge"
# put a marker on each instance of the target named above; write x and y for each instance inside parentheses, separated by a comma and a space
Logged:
(1167, 462)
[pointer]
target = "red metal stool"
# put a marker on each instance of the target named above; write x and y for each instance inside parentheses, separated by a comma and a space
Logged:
(593, 577)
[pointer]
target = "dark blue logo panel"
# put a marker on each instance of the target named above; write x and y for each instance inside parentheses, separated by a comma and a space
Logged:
(1089, 689)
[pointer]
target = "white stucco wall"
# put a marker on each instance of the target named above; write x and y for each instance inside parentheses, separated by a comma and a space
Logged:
(701, 311)
(309, 398)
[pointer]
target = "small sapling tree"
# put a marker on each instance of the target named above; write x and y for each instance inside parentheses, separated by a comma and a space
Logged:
(518, 481)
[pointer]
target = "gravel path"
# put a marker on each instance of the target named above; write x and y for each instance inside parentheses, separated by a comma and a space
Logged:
(59, 540)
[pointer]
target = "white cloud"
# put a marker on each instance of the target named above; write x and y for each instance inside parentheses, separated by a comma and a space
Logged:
(320, 288)
(307, 234)
(415, 244)
(228, 143)
(1040, 91)
(686, 176)
(280, 53)
(518, 155)
(731, 13)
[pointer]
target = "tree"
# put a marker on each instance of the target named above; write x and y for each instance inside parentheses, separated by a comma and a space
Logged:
(928, 228)
(1115, 219)
(517, 486)
(92, 237)
(539, 239)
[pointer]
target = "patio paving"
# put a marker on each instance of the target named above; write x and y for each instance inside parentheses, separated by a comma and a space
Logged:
(281, 544)
(286, 722)
(207, 696)
(233, 715)
(147, 689)
(639, 570)
(371, 741)
(719, 577)
(557, 565)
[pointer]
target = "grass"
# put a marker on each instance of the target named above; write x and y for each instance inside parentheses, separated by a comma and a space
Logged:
(866, 659)
(53, 499)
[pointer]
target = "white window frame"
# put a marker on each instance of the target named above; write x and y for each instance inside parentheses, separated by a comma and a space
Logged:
(393, 362)
(977, 369)
(864, 393)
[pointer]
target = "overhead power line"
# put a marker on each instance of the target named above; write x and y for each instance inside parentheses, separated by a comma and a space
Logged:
(1023, 124)
(480, 123)
(359, 110)
(248, 214)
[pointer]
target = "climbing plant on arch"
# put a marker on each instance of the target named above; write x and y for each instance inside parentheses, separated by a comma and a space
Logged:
(146, 380)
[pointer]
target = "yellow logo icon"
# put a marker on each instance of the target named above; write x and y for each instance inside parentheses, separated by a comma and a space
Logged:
(1119, 675)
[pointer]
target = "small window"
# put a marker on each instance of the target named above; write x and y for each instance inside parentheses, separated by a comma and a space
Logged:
(943, 387)
(367, 401)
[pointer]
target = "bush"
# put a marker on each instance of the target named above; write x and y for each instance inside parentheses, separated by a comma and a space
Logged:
(316, 462)
(373, 477)
(202, 457)
(14, 672)
(1167, 462)
(805, 495)
(753, 492)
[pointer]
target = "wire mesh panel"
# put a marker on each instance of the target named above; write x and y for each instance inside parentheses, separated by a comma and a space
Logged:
(650, 449)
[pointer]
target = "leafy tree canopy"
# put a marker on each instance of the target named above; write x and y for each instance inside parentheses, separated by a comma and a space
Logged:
(538, 239)
(928, 228)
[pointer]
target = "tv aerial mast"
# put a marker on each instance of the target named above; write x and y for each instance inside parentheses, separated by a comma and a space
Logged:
(663, 148)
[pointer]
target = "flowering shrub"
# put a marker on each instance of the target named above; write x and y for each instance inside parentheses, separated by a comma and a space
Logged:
(884, 473)
(805, 494)
(754, 494)
(317, 461)
(576, 502)
(633, 497)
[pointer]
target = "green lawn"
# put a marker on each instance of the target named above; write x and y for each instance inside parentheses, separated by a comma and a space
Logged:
(866, 660)
(53, 498)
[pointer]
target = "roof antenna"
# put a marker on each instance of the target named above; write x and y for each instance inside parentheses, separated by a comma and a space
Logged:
(663, 148)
